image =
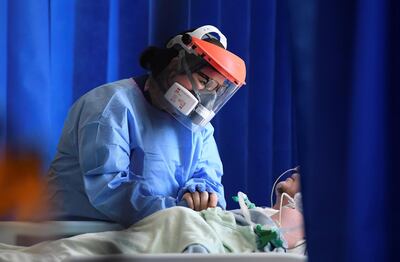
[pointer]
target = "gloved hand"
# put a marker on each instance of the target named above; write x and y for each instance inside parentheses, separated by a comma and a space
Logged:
(200, 200)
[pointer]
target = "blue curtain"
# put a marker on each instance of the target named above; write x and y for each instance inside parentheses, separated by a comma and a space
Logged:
(346, 65)
(55, 51)
(322, 91)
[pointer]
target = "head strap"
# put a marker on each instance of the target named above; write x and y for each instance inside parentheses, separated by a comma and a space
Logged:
(198, 33)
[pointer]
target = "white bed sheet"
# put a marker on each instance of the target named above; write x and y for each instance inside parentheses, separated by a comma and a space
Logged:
(167, 231)
(254, 257)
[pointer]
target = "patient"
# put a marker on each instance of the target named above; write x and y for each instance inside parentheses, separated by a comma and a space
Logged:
(285, 216)
(290, 186)
(179, 229)
(291, 216)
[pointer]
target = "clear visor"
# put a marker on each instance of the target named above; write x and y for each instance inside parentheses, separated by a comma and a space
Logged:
(195, 91)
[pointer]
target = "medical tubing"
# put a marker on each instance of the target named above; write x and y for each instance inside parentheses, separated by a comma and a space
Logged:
(280, 206)
(276, 181)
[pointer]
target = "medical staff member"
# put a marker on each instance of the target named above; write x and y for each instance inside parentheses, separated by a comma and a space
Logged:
(139, 145)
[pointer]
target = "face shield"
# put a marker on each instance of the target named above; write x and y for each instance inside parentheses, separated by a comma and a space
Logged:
(199, 81)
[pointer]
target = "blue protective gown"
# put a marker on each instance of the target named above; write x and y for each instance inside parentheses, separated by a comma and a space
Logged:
(121, 159)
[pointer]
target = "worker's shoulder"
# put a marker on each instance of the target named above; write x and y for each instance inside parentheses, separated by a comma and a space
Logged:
(120, 90)
(114, 96)
(109, 89)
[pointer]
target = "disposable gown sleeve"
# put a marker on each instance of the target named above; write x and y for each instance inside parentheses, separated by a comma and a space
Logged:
(208, 172)
(111, 187)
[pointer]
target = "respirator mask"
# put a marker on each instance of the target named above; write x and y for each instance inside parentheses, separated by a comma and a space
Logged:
(200, 79)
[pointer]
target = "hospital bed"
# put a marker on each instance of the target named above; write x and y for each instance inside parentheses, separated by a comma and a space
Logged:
(253, 257)
(29, 233)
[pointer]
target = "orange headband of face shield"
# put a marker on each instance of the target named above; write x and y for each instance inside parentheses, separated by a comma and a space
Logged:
(228, 64)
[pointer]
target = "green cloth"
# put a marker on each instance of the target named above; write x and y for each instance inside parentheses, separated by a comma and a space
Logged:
(167, 231)
(235, 238)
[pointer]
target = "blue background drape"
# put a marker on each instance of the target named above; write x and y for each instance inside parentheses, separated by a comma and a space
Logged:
(55, 51)
(322, 91)
(346, 66)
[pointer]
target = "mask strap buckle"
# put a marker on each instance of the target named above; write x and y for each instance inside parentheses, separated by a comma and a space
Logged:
(198, 33)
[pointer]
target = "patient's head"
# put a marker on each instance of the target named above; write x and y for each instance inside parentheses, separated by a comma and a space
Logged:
(290, 186)
(289, 218)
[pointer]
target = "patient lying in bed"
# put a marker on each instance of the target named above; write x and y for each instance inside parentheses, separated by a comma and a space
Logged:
(290, 213)
(285, 215)
(176, 230)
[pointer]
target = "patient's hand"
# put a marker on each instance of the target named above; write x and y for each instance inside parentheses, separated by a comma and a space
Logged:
(200, 200)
